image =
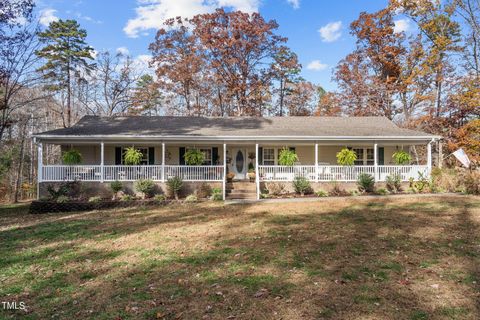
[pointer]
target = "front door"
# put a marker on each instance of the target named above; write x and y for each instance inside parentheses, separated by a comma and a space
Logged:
(239, 163)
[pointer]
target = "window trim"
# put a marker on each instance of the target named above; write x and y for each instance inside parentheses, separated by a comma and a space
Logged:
(274, 160)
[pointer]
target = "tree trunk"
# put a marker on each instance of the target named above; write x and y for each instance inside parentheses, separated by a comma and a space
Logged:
(20, 167)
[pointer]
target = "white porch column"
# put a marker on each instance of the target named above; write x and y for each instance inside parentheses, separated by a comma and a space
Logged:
(429, 157)
(257, 174)
(375, 161)
(40, 167)
(224, 169)
(316, 162)
(102, 161)
(163, 162)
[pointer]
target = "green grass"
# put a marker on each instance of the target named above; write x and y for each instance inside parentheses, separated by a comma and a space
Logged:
(335, 259)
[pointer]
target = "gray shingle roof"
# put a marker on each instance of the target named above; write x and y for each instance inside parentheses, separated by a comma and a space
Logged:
(169, 126)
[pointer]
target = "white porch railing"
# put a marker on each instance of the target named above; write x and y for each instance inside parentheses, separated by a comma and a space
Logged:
(195, 173)
(285, 173)
(339, 173)
(70, 173)
(130, 173)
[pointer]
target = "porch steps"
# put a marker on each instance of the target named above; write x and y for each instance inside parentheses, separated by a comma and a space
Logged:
(241, 190)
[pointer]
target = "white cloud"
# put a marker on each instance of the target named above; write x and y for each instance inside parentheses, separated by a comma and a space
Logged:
(152, 13)
(294, 3)
(316, 65)
(401, 25)
(331, 32)
(123, 51)
(141, 63)
(48, 16)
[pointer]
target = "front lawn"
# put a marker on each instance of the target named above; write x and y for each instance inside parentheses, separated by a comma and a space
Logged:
(392, 258)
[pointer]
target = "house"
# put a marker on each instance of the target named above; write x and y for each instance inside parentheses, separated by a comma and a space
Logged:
(232, 145)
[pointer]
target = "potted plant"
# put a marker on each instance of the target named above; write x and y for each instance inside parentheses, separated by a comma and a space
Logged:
(346, 157)
(72, 157)
(401, 158)
(194, 157)
(230, 176)
(287, 157)
(251, 175)
(132, 156)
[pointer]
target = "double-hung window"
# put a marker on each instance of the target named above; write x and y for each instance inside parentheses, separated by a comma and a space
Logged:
(268, 156)
(207, 156)
(359, 152)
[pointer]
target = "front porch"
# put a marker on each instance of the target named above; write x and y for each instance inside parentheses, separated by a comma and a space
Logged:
(103, 162)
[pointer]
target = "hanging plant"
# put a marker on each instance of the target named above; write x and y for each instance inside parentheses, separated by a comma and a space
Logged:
(287, 157)
(132, 156)
(346, 157)
(194, 157)
(401, 158)
(72, 157)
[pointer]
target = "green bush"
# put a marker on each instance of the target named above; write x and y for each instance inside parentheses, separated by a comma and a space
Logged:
(95, 199)
(194, 157)
(321, 193)
(382, 191)
(301, 186)
(216, 196)
(346, 157)
(132, 156)
(366, 183)
(174, 186)
(72, 157)
(401, 158)
(160, 198)
(264, 196)
(191, 198)
(62, 199)
(70, 189)
(394, 183)
(116, 186)
(216, 190)
(422, 185)
(287, 157)
(127, 197)
(146, 187)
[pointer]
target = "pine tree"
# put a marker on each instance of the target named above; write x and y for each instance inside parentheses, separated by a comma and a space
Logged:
(67, 54)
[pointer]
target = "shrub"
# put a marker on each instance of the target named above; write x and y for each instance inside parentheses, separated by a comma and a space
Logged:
(264, 196)
(71, 157)
(204, 191)
(62, 199)
(287, 157)
(366, 183)
(174, 186)
(127, 197)
(95, 199)
(146, 187)
(346, 157)
(382, 191)
(116, 186)
(216, 194)
(321, 193)
(275, 188)
(194, 157)
(191, 198)
(251, 167)
(70, 189)
(354, 193)
(132, 156)
(160, 198)
(401, 158)
(301, 185)
(422, 185)
(472, 183)
(394, 183)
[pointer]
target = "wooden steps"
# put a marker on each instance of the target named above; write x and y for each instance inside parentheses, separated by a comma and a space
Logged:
(241, 190)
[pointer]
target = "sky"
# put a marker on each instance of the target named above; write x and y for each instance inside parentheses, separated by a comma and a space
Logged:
(317, 30)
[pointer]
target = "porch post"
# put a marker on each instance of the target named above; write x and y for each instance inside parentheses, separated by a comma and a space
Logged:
(224, 169)
(163, 162)
(102, 161)
(375, 161)
(40, 167)
(316, 162)
(257, 174)
(429, 158)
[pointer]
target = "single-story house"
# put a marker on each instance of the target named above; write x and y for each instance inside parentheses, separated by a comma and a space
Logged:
(232, 145)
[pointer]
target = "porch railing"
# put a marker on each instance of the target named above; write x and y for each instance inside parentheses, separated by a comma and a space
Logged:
(321, 173)
(130, 173)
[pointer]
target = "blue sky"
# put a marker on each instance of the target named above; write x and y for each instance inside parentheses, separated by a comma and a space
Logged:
(317, 30)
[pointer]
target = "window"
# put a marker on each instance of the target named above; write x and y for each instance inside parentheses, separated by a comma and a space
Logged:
(370, 157)
(359, 152)
(207, 154)
(268, 156)
(144, 152)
